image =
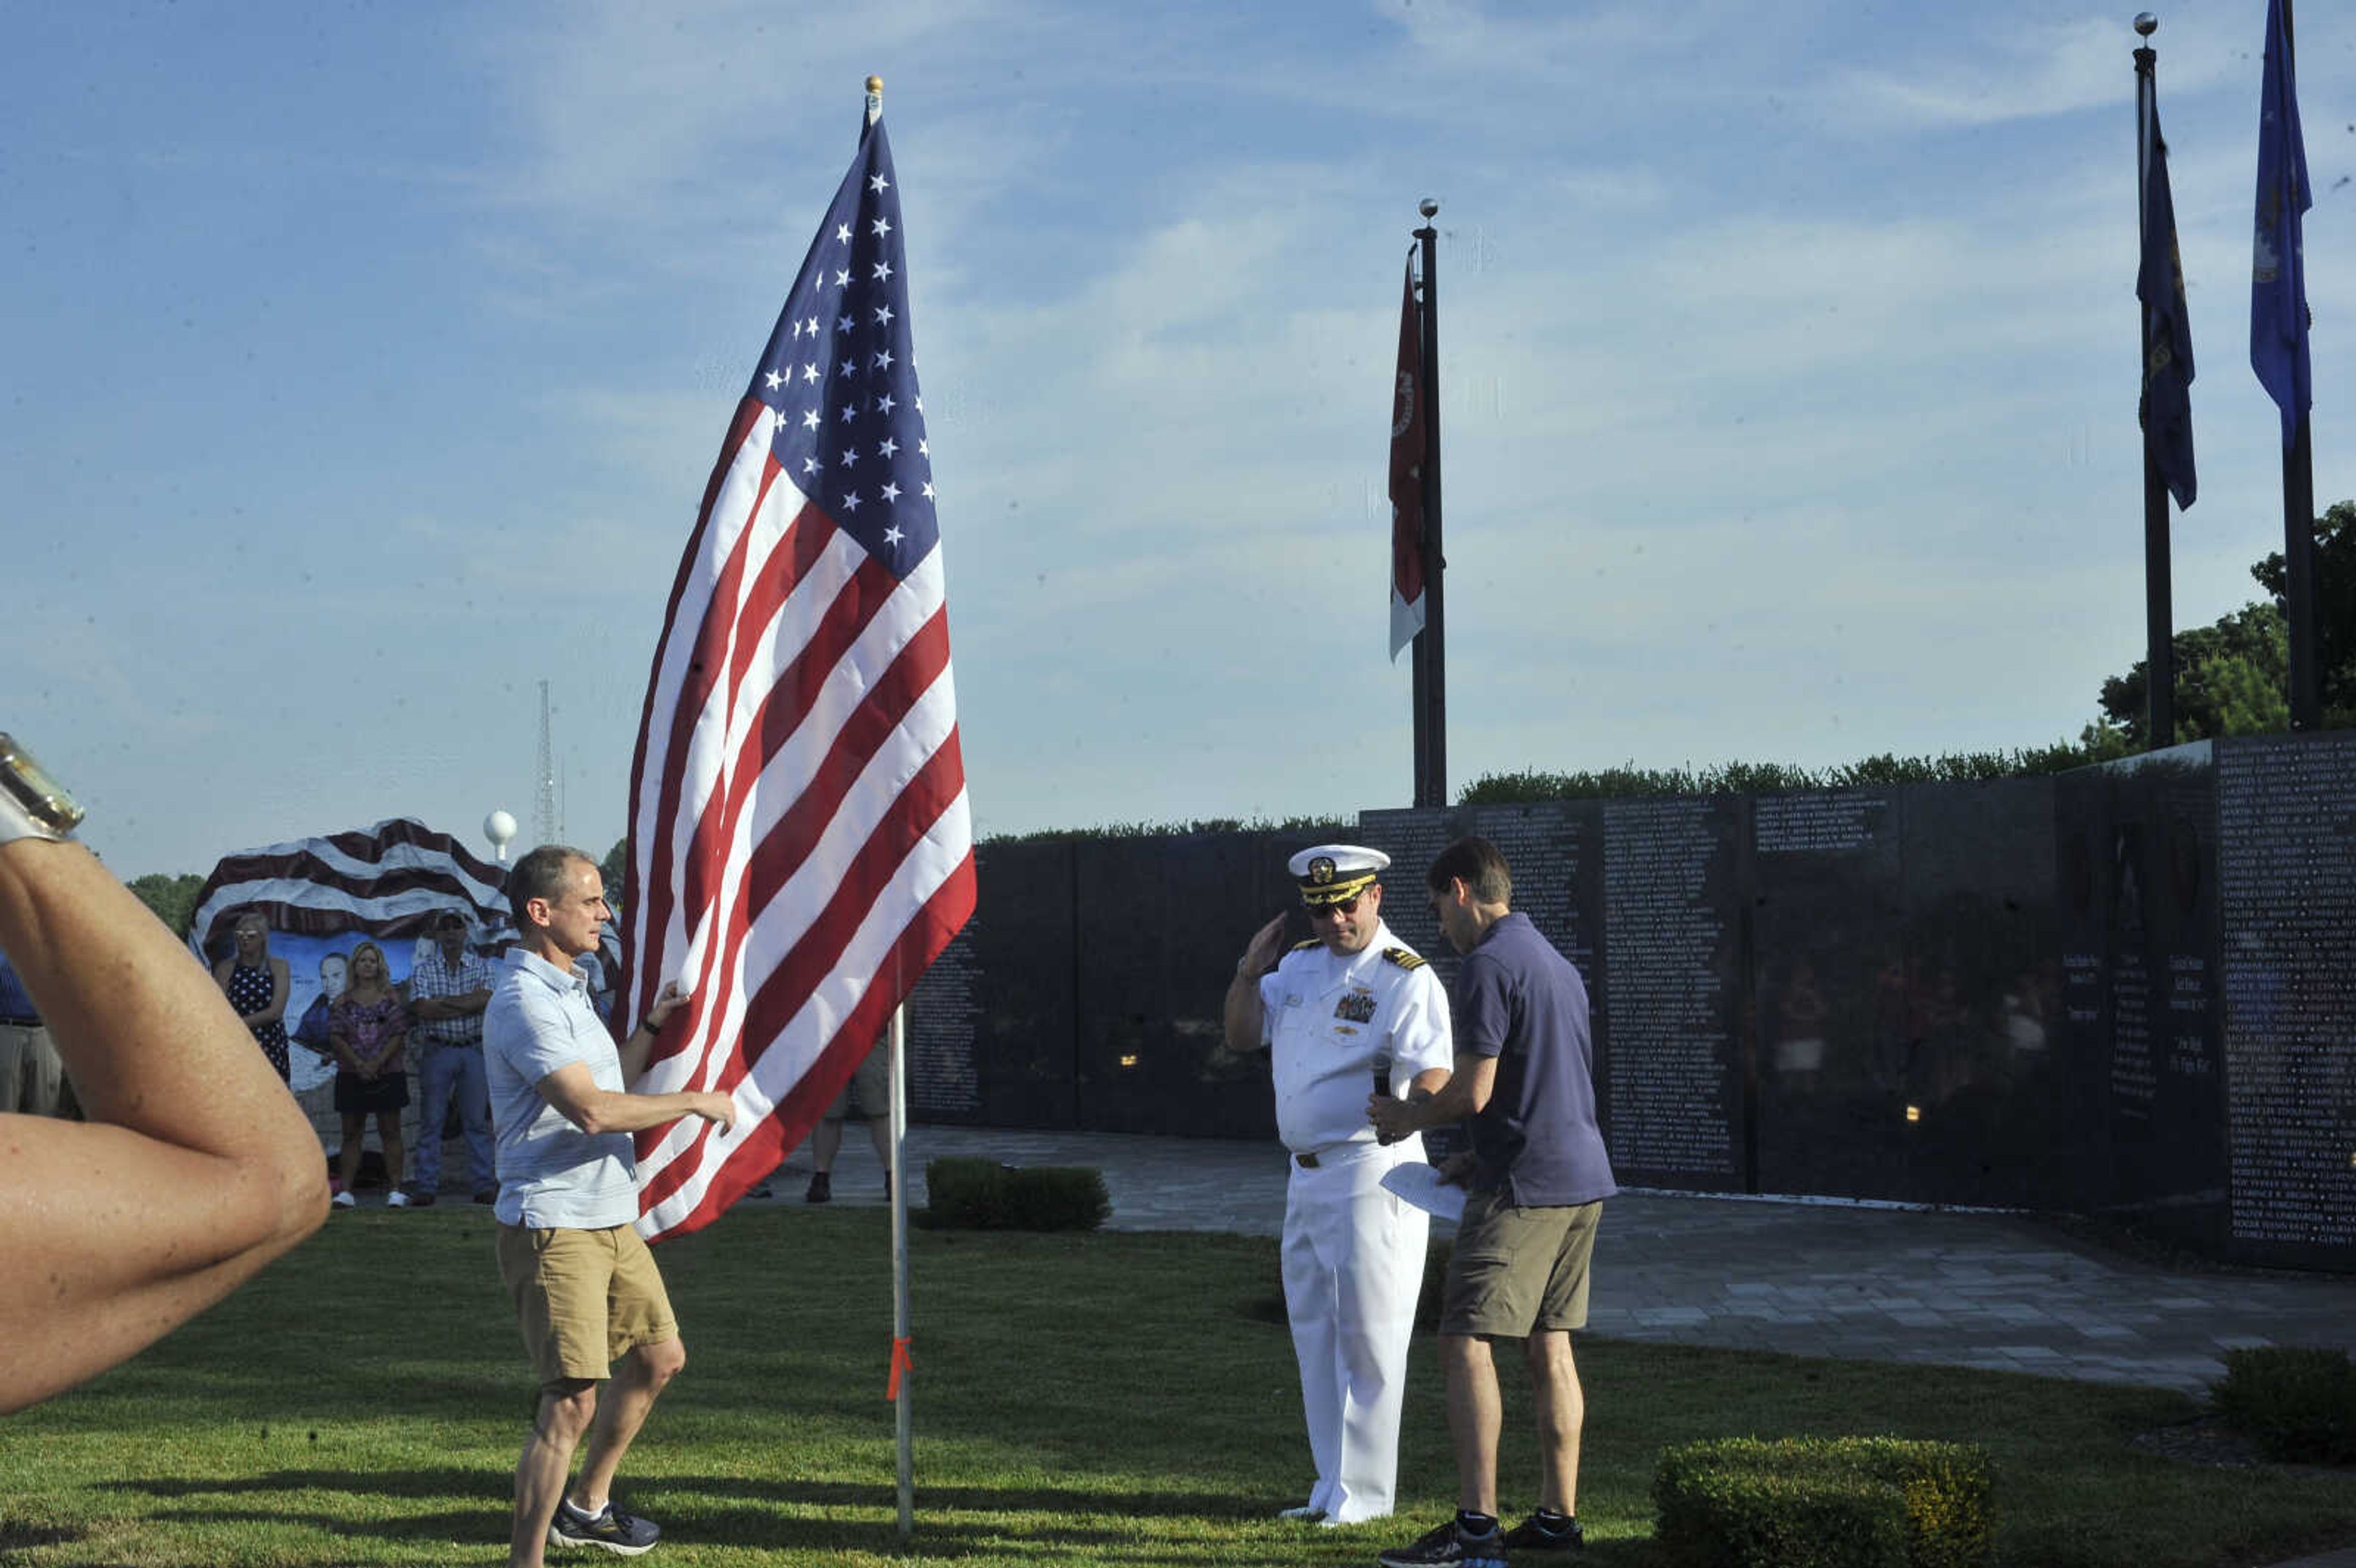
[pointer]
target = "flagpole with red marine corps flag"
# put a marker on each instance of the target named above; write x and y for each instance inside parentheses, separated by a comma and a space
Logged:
(801, 846)
(1416, 564)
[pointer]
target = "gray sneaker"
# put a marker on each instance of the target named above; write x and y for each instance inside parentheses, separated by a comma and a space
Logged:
(613, 1530)
(1447, 1546)
(1532, 1535)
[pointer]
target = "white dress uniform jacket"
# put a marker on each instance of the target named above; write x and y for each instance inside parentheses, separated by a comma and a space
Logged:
(1353, 1252)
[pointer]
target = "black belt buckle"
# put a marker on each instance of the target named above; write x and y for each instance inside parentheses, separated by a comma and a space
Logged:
(1305, 1161)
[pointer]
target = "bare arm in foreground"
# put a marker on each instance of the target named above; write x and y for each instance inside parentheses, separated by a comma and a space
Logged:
(196, 1169)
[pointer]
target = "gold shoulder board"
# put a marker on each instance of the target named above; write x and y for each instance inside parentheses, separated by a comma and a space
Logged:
(1403, 958)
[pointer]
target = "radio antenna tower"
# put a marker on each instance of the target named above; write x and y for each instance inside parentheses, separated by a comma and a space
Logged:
(543, 805)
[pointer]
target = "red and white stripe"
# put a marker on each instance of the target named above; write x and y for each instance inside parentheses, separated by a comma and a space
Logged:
(801, 846)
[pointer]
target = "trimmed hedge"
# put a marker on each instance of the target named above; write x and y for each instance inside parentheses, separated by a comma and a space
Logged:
(2297, 1405)
(1825, 1502)
(983, 1195)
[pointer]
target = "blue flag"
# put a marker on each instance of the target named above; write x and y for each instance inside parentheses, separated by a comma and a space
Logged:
(2167, 329)
(2278, 265)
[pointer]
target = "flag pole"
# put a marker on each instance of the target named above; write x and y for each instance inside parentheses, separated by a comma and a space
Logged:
(902, 1428)
(2159, 591)
(1432, 783)
(896, 1059)
(2298, 457)
(2299, 578)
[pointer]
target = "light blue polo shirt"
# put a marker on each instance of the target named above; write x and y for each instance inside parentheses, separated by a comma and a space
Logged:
(552, 1174)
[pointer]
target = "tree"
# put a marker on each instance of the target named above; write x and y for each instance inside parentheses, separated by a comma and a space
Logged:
(2335, 610)
(173, 897)
(2232, 677)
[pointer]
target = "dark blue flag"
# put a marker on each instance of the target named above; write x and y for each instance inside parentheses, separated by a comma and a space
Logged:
(2167, 330)
(2278, 264)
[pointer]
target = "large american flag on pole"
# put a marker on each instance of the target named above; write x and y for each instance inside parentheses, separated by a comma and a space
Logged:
(800, 847)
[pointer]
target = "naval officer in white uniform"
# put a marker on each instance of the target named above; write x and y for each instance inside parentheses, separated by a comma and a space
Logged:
(1350, 1007)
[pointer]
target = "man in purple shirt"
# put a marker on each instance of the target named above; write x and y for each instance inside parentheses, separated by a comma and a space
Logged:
(1538, 1175)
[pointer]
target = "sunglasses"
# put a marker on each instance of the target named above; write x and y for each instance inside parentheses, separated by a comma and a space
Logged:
(1348, 906)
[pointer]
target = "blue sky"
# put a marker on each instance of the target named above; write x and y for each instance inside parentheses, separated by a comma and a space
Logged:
(364, 364)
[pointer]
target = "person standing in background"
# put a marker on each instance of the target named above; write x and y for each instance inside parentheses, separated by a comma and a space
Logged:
(448, 990)
(255, 985)
(32, 1078)
(368, 1028)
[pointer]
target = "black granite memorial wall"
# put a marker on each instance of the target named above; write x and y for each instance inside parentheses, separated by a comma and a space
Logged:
(991, 1025)
(2129, 989)
(2287, 839)
(2135, 859)
(1161, 921)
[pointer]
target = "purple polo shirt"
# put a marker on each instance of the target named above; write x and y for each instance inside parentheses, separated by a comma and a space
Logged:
(1520, 1001)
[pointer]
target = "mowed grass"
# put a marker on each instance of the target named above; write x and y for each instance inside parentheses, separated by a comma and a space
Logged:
(1108, 1398)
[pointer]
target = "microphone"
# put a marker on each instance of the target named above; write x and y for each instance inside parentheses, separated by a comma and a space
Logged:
(1383, 1076)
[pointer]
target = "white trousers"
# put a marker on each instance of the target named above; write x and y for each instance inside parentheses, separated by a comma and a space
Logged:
(1352, 1268)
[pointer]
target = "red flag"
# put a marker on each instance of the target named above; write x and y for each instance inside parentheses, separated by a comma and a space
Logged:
(800, 847)
(1406, 476)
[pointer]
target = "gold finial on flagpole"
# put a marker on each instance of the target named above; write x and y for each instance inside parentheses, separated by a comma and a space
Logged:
(875, 99)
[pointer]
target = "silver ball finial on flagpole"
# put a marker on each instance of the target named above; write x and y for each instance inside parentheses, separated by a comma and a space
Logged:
(2146, 23)
(1429, 207)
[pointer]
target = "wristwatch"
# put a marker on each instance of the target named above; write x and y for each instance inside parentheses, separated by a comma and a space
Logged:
(32, 803)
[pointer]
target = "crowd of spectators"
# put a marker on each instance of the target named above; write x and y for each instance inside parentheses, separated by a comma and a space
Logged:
(374, 1032)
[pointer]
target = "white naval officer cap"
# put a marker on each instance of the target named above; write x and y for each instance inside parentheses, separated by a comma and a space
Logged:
(1329, 873)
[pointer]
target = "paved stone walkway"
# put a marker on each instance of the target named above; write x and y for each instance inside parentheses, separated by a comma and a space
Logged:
(1817, 1279)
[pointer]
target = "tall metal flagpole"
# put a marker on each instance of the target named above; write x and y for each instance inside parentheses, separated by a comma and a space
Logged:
(896, 1057)
(2159, 591)
(2299, 479)
(902, 1428)
(1431, 786)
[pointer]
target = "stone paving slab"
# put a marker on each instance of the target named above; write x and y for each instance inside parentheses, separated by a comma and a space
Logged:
(1809, 1278)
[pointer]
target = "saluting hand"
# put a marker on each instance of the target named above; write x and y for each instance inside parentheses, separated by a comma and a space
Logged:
(1266, 948)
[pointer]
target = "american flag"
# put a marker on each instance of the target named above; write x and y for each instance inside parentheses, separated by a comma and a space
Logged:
(800, 847)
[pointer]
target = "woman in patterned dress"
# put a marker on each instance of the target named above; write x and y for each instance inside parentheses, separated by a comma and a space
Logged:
(255, 985)
(368, 1029)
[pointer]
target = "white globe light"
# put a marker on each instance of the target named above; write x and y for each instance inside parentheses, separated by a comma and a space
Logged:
(500, 828)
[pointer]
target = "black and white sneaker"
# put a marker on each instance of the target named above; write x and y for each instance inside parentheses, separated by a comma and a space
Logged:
(613, 1530)
(1533, 1534)
(1448, 1544)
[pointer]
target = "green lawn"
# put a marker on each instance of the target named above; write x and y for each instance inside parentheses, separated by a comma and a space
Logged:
(1115, 1399)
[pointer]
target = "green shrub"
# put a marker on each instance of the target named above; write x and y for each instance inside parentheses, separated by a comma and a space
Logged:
(2297, 1405)
(966, 1194)
(1057, 1198)
(983, 1195)
(1815, 1502)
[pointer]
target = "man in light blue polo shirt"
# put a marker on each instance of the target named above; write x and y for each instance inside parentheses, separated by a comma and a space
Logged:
(585, 1288)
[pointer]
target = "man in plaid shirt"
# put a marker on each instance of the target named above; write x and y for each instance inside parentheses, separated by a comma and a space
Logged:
(448, 990)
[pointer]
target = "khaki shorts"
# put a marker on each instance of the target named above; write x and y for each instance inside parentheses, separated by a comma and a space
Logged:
(583, 1298)
(868, 1096)
(1517, 1271)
